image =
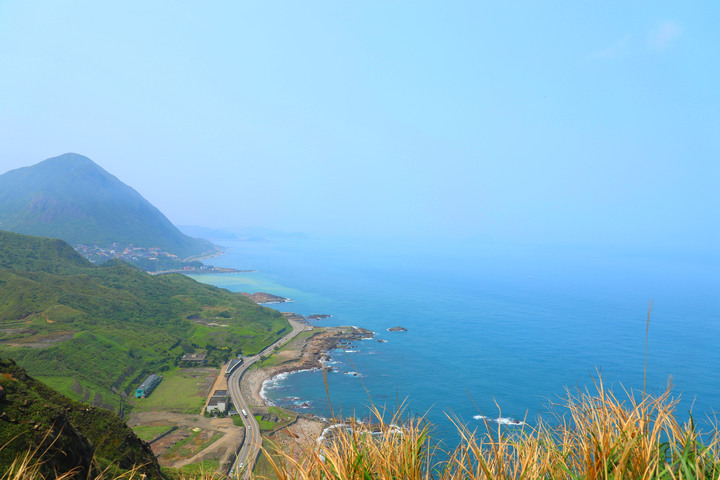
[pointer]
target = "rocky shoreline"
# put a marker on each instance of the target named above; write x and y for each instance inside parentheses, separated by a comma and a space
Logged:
(301, 353)
(308, 354)
(263, 298)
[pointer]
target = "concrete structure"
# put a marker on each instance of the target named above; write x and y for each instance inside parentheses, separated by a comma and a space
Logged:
(234, 363)
(218, 402)
(198, 358)
(147, 386)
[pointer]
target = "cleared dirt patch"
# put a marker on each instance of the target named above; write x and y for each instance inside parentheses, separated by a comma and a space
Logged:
(40, 341)
(195, 439)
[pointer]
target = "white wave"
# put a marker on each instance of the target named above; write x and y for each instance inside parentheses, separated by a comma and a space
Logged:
(287, 300)
(263, 392)
(353, 374)
(500, 420)
(351, 351)
(329, 429)
(275, 383)
(280, 377)
(393, 429)
(290, 399)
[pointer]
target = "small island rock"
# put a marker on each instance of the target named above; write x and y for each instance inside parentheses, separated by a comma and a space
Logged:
(397, 329)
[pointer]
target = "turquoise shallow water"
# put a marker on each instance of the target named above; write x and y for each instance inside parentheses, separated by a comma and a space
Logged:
(488, 327)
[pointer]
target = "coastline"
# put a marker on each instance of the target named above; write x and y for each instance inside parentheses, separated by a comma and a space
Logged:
(298, 355)
(301, 353)
(218, 251)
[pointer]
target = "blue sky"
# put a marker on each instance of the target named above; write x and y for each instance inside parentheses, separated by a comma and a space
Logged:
(539, 122)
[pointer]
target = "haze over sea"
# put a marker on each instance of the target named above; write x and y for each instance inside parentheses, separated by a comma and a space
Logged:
(510, 325)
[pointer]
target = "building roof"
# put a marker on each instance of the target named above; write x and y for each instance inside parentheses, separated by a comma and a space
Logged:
(215, 401)
(148, 381)
(194, 357)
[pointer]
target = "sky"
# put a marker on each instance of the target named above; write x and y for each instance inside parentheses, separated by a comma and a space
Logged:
(570, 122)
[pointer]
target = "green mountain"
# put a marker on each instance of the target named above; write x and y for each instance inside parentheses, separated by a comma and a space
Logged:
(71, 198)
(95, 332)
(66, 434)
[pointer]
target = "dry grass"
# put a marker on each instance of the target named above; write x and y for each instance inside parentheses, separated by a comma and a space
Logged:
(29, 467)
(598, 436)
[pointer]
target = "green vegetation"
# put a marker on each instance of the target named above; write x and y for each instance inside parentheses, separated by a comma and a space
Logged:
(285, 416)
(238, 421)
(72, 198)
(96, 332)
(264, 425)
(148, 433)
(204, 469)
(69, 434)
(268, 361)
(264, 468)
(161, 263)
(275, 359)
(196, 442)
(275, 418)
(178, 392)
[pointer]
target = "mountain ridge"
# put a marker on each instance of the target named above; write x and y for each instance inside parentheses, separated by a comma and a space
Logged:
(72, 198)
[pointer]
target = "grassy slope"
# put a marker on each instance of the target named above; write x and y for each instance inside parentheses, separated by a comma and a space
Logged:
(104, 328)
(177, 392)
(71, 434)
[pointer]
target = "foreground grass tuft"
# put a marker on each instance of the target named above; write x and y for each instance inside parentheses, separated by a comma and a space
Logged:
(596, 436)
(599, 437)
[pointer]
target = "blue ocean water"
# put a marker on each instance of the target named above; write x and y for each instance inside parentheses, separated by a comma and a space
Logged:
(493, 331)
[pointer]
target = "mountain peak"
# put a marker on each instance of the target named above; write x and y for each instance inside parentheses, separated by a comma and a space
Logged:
(69, 158)
(72, 198)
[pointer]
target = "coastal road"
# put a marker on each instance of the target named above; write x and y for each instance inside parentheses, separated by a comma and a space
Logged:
(251, 445)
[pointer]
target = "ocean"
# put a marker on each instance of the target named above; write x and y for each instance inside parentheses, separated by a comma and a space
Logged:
(496, 331)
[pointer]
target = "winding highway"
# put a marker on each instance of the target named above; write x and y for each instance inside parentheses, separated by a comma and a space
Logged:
(245, 460)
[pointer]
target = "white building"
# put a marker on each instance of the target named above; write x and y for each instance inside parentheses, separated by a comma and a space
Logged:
(218, 402)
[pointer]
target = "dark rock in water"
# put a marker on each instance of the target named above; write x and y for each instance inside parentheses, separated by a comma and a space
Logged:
(397, 329)
(295, 317)
(382, 340)
(318, 316)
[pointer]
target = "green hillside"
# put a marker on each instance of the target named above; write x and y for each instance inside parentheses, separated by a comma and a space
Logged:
(71, 198)
(72, 434)
(94, 332)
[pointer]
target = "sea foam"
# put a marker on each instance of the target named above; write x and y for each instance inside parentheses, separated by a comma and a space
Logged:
(500, 420)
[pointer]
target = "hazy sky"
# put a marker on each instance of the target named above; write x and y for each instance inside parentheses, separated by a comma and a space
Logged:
(533, 121)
